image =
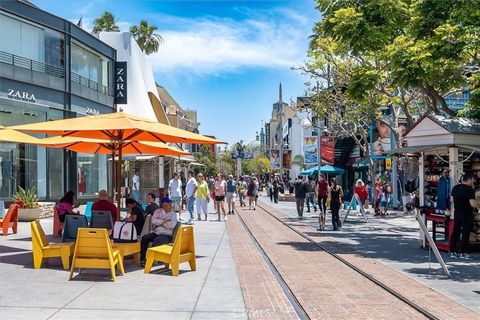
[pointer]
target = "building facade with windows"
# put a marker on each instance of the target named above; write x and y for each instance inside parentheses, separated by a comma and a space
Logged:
(51, 69)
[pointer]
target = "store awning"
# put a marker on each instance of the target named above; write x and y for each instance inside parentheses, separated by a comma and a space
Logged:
(418, 149)
(363, 163)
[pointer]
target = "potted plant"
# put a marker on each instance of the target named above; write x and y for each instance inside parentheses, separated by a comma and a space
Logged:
(28, 208)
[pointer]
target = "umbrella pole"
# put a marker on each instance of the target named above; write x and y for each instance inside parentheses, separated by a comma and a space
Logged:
(112, 190)
(119, 176)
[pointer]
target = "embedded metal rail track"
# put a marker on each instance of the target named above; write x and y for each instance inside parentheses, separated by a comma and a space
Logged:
(291, 295)
(301, 312)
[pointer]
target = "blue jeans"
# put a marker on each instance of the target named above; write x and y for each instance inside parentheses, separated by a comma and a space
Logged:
(136, 195)
(311, 198)
(190, 203)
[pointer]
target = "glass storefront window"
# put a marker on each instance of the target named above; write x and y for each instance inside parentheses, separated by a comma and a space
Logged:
(90, 65)
(31, 41)
(22, 164)
(91, 174)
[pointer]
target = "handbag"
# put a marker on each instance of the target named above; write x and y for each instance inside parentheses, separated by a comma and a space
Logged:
(124, 232)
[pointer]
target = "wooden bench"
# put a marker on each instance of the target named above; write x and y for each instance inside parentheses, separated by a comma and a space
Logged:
(182, 250)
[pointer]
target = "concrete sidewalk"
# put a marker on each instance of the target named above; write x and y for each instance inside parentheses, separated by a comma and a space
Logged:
(211, 292)
(393, 240)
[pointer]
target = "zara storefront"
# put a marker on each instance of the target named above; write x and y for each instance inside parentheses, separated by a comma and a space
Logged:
(50, 69)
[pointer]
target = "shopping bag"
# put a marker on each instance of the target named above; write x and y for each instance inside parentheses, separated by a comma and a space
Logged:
(124, 232)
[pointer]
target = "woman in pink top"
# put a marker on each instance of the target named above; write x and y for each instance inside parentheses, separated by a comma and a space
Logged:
(220, 190)
(66, 206)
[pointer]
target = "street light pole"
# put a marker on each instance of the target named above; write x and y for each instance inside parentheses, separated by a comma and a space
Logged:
(319, 158)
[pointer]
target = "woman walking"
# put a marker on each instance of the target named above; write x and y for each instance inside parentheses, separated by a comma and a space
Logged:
(252, 194)
(220, 190)
(201, 197)
(336, 195)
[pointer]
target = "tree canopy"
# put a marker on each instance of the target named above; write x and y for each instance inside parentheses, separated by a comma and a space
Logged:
(106, 22)
(145, 35)
(399, 54)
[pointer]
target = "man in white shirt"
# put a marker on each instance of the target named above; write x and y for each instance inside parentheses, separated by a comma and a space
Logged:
(175, 192)
(190, 190)
(164, 221)
(136, 186)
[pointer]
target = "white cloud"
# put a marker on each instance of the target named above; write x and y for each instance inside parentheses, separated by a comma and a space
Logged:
(210, 45)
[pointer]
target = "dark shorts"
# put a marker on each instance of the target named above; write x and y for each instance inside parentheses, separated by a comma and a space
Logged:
(219, 198)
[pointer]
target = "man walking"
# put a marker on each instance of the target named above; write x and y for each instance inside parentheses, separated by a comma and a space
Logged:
(190, 190)
(231, 189)
(463, 198)
(175, 192)
(300, 195)
(136, 186)
(311, 186)
(276, 187)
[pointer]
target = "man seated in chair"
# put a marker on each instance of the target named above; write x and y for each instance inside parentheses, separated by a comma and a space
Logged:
(103, 204)
(152, 205)
(164, 221)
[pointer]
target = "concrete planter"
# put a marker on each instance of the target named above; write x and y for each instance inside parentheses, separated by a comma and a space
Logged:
(29, 214)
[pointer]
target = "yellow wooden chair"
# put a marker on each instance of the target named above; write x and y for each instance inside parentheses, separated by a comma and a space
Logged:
(182, 250)
(93, 249)
(42, 250)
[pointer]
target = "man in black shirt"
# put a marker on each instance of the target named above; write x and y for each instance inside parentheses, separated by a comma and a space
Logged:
(463, 199)
(300, 195)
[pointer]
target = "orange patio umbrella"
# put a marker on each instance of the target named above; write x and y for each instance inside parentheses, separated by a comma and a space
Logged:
(119, 128)
(94, 146)
(9, 135)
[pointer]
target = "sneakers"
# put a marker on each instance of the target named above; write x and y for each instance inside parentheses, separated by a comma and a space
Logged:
(466, 256)
(453, 255)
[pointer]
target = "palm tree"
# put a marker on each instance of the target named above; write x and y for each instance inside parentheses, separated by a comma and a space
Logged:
(147, 40)
(105, 23)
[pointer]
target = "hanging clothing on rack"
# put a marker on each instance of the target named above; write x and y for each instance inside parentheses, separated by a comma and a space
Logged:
(443, 193)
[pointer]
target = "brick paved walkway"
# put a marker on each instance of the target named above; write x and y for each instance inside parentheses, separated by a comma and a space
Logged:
(263, 296)
(434, 302)
(326, 288)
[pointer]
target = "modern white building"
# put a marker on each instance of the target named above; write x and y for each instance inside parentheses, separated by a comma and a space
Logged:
(142, 95)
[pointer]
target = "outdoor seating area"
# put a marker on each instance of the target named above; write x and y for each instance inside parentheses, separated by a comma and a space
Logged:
(91, 246)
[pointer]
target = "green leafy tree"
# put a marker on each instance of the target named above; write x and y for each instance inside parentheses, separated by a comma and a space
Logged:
(146, 38)
(206, 157)
(260, 164)
(106, 22)
(408, 53)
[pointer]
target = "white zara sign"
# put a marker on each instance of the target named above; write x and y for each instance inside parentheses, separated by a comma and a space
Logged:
(20, 95)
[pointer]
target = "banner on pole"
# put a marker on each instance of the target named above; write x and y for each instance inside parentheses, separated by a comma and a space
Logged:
(287, 159)
(310, 153)
(274, 159)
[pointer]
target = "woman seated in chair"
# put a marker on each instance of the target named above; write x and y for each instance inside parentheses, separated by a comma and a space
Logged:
(66, 206)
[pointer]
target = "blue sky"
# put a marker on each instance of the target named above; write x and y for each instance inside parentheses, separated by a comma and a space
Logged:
(223, 58)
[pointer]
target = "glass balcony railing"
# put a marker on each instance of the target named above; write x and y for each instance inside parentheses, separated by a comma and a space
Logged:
(91, 84)
(26, 63)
